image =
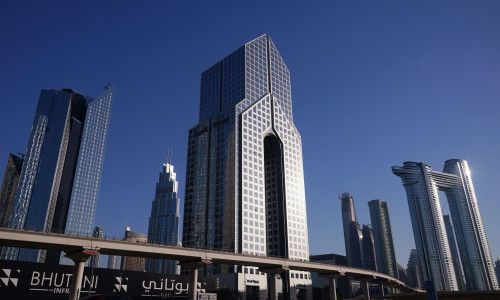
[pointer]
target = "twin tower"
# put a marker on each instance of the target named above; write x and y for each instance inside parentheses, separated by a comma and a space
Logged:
(434, 244)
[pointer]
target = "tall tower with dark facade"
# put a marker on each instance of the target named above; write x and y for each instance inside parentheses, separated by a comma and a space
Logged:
(422, 186)
(352, 231)
(59, 183)
(165, 220)
(244, 176)
(382, 234)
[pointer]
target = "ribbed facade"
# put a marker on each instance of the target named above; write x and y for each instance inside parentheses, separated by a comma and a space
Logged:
(422, 186)
(9, 187)
(454, 253)
(165, 220)
(382, 234)
(369, 259)
(244, 176)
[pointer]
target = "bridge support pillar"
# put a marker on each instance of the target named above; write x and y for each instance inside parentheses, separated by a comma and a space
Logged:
(193, 267)
(332, 283)
(79, 257)
(272, 283)
(366, 289)
(382, 292)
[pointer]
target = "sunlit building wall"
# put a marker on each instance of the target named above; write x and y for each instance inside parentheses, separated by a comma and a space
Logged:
(422, 186)
(244, 177)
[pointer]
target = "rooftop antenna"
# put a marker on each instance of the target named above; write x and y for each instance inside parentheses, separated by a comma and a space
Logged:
(107, 86)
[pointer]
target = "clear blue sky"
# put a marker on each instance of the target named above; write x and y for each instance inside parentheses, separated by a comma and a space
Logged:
(373, 84)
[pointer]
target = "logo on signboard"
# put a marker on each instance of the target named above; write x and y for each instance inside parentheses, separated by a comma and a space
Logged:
(121, 285)
(10, 277)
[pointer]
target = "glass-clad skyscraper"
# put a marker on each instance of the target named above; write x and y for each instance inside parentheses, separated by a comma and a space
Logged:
(59, 183)
(422, 186)
(165, 220)
(382, 234)
(244, 176)
(352, 231)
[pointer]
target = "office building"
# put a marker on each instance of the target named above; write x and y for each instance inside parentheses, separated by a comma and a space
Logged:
(369, 259)
(60, 178)
(413, 271)
(244, 176)
(130, 263)
(382, 234)
(94, 260)
(9, 187)
(164, 221)
(352, 231)
(454, 253)
(422, 186)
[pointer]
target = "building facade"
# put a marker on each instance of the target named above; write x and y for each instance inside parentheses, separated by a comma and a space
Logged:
(165, 220)
(422, 186)
(94, 260)
(9, 187)
(130, 263)
(113, 262)
(352, 231)
(369, 258)
(382, 234)
(454, 253)
(244, 176)
(59, 182)
(413, 271)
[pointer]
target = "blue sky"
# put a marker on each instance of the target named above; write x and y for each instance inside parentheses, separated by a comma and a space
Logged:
(373, 84)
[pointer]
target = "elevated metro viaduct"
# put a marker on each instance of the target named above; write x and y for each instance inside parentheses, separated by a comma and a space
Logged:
(80, 248)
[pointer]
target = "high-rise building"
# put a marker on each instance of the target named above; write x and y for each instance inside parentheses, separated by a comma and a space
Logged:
(413, 271)
(454, 253)
(369, 259)
(60, 178)
(382, 234)
(244, 176)
(130, 263)
(402, 274)
(94, 260)
(352, 231)
(113, 262)
(9, 187)
(422, 186)
(164, 220)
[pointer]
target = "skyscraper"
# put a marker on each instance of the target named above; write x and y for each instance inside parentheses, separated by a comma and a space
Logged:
(9, 187)
(352, 231)
(369, 259)
(454, 253)
(113, 262)
(422, 186)
(59, 182)
(382, 234)
(244, 177)
(94, 260)
(164, 221)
